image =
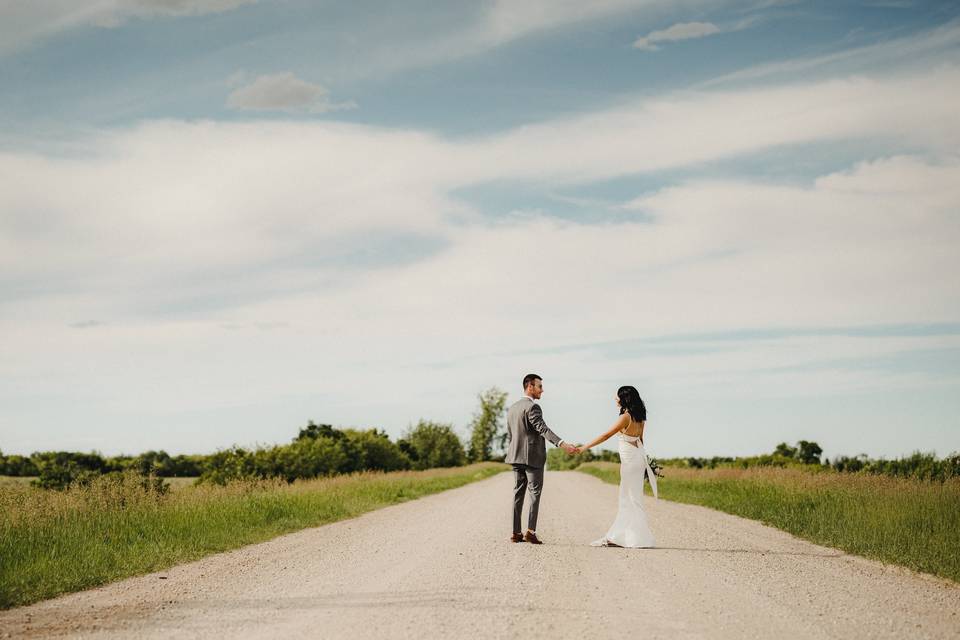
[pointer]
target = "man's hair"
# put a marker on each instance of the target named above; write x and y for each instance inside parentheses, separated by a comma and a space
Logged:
(529, 378)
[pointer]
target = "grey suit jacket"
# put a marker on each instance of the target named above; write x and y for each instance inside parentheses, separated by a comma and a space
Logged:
(526, 431)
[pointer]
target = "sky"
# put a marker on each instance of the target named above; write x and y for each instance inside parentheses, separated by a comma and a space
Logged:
(220, 219)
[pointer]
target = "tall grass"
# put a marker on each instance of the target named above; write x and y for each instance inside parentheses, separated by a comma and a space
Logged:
(905, 521)
(53, 542)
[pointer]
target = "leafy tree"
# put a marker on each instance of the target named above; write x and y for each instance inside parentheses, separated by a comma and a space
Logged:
(785, 450)
(319, 431)
(229, 464)
(434, 445)
(14, 465)
(185, 466)
(376, 452)
(808, 452)
(487, 425)
(407, 448)
(309, 458)
(151, 463)
(60, 469)
(608, 456)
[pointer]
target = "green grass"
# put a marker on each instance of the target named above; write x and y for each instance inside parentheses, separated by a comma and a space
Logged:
(913, 523)
(54, 542)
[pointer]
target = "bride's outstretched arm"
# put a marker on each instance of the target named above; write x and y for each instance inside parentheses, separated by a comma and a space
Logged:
(619, 425)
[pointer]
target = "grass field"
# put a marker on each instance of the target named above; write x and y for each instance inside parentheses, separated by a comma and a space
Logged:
(909, 522)
(54, 542)
(16, 480)
(175, 483)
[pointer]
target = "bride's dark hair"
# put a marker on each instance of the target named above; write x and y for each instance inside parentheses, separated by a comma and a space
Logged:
(630, 401)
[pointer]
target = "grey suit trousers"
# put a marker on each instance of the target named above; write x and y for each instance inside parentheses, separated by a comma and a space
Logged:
(526, 478)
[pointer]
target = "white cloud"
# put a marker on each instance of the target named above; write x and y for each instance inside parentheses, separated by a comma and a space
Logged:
(166, 232)
(853, 248)
(692, 127)
(170, 199)
(284, 92)
(25, 22)
(679, 31)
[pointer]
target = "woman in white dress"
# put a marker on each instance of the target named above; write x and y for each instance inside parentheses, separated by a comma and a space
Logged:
(630, 528)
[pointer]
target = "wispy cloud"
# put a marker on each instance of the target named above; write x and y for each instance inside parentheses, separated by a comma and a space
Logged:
(473, 32)
(679, 31)
(919, 46)
(496, 25)
(284, 92)
(255, 203)
(24, 23)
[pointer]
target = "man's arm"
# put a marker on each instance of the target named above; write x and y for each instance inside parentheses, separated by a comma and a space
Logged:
(536, 421)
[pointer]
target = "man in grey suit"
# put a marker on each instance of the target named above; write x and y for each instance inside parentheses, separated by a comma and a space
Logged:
(528, 454)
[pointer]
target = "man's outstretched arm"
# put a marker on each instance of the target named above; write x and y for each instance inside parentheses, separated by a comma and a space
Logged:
(536, 421)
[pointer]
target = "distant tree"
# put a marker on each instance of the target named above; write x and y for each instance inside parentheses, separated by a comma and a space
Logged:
(309, 458)
(609, 456)
(407, 448)
(319, 430)
(228, 464)
(434, 445)
(155, 463)
(487, 425)
(186, 466)
(376, 451)
(785, 450)
(808, 452)
(60, 469)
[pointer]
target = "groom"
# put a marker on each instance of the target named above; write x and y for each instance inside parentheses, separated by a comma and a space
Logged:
(528, 454)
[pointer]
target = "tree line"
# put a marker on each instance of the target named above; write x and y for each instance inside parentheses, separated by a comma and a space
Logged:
(317, 450)
(807, 454)
(323, 450)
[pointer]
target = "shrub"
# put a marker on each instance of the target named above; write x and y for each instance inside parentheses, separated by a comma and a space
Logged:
(60, 469)
(432, 444)
(15, 465)
(376, 452)
(310, 458)
(229, 464)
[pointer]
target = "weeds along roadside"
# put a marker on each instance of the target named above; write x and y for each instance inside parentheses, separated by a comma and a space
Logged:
(54, 542)
(903, 521)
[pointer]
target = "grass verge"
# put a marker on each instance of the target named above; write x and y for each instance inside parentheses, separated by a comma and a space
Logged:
(55, 542)
(913, 523)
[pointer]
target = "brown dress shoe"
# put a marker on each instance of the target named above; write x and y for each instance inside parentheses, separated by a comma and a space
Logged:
(531, 538)
(517, 537)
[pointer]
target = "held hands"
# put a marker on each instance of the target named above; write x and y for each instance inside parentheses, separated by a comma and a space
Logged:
(571, 449)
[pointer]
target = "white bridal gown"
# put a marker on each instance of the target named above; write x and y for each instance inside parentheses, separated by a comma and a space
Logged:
(630, 528)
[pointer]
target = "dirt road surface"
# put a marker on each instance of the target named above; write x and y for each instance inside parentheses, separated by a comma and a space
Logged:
(441, 567)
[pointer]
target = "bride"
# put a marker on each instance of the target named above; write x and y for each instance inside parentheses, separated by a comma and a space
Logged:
(630, 528)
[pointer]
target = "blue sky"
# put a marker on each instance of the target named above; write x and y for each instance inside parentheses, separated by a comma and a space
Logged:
(222, 218)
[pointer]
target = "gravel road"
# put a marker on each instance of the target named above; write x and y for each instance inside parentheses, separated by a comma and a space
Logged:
(441, 566)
